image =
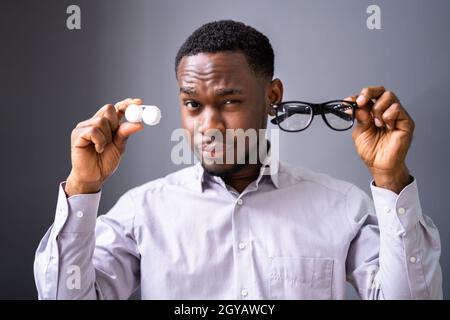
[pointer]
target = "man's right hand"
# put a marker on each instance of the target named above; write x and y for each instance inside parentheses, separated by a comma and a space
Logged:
(97, 145)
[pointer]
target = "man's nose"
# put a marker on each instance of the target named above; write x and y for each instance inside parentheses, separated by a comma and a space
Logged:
(210, 120)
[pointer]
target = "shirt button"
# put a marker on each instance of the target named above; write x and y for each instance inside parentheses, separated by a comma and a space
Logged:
(240, 202)
(401, 210)
(63, 213)
(412, 259)
(80, 214)
(242, 245)
(244, 292)
(387, 209)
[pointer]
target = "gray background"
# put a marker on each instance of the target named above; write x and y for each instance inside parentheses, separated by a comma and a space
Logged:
(52, 78)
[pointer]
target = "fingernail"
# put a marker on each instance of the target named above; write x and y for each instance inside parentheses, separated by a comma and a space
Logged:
(361, 99)
(389, 126)
(378, 123)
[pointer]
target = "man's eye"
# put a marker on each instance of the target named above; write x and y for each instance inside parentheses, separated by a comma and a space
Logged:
(191, 104)
(231, 102)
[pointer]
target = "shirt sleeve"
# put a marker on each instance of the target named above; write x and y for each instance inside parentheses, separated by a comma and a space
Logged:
(396, 249)
(85, 257)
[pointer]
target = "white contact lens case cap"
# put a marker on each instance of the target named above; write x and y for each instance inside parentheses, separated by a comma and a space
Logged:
(151, 115)
(133, 113)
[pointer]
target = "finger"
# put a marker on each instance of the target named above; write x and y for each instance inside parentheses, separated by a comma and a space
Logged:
(89, 135)
(396, 117)
(102, 110)
(100, 113)
(111, 115)
(109, 111)
(123, 105)
(101, 123)
(369, 93)
(366, 106)
(125, 130)
(382, 103)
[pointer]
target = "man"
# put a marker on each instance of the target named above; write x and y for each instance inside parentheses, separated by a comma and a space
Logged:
(227, 231)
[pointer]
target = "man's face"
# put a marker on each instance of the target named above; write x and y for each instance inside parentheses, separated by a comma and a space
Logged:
(219, 91)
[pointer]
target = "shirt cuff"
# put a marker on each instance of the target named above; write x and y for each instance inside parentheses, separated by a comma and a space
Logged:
(397, 213)
(76, 214)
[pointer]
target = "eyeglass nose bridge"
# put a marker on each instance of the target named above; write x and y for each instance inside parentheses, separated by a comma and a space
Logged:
(317, 108)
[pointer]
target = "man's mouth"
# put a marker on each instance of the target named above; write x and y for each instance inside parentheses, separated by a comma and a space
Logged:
(213, 150)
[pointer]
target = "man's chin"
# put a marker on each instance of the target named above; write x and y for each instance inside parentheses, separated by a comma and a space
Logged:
(221, 170)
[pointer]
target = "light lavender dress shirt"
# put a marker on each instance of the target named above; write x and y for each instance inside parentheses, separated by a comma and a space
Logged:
(296, 234)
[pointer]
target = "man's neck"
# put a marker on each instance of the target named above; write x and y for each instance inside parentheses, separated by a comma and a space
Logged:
(242, 178)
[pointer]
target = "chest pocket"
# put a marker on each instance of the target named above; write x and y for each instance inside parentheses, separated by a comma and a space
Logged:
(300, 278)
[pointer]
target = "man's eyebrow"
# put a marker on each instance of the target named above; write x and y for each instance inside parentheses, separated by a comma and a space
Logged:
(228, 91)
(188, 90)
(219, 92)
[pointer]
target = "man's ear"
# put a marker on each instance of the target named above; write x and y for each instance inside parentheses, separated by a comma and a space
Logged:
(271, 110)
(275, 95)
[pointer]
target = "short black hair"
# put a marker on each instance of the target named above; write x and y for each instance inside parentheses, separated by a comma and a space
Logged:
(229, 35)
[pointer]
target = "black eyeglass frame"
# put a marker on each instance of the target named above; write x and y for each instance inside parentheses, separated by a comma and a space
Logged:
(317, 108)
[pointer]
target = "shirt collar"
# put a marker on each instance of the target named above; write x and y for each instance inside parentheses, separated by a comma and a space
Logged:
(270, 166)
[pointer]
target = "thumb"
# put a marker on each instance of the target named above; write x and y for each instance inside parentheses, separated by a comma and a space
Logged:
(363, 118)
(363, 121)
(125, 130)
(362, 115)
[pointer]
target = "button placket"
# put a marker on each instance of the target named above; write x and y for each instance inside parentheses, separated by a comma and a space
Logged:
(63, 213)
(242, 251)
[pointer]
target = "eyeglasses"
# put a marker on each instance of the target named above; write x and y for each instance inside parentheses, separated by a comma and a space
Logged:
(295, 116)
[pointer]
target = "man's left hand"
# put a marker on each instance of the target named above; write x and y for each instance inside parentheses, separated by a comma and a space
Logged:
(382, 136)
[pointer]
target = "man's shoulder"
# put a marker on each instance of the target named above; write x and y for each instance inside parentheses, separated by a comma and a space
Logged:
(299, 175)
(180, 178)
